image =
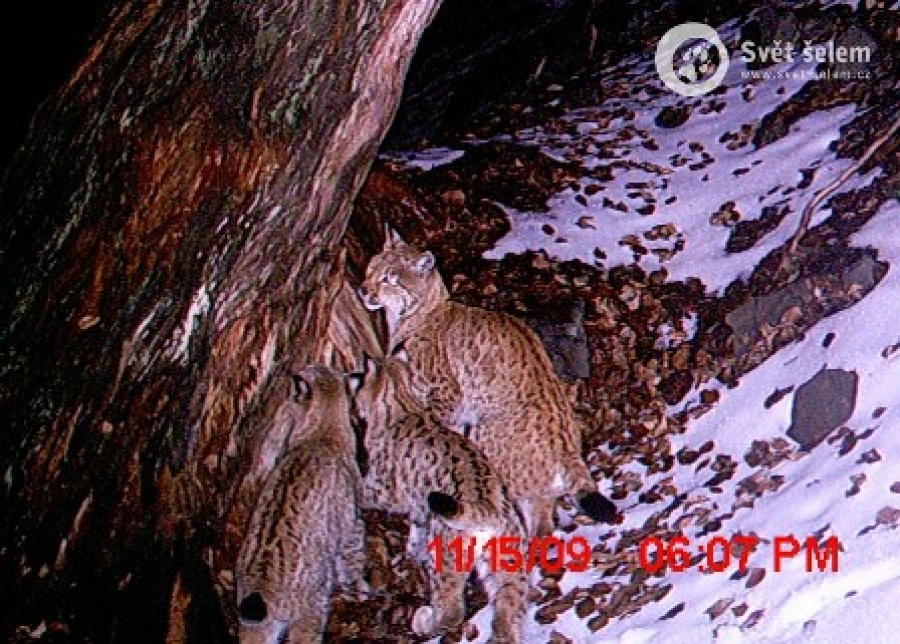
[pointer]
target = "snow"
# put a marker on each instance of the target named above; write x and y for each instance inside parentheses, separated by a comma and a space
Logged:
(683, 197)
(425, 159)
(811, 494)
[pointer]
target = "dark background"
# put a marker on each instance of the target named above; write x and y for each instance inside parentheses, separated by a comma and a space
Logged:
(482, 47)
(40, 46)
(474, 54)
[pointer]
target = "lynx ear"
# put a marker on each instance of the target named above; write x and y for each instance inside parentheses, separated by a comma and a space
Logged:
(370, 365)
(400, 352)
(302, 390)
(392, 238)
(424, 262)
(354, 382)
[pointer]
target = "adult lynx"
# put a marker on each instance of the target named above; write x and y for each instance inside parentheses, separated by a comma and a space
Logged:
(485, 374)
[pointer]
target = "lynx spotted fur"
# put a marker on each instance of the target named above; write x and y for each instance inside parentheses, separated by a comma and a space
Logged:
(416, 465)
(486, 375)
(306, 534)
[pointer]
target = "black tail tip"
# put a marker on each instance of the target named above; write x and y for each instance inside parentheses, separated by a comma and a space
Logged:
(443, 505)
(598, 507)
(253, 608)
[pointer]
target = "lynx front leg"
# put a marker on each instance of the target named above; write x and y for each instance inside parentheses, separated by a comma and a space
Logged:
(538, 516)
(308, 629)
(447, 585)
(271, 631)
(508, 593)
(352, 560)
(447, 608)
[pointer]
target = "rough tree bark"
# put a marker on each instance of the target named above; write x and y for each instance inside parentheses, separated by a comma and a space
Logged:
(169, 251)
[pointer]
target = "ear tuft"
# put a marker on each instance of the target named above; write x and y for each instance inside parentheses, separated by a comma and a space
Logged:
(392, 238)
(424, 262)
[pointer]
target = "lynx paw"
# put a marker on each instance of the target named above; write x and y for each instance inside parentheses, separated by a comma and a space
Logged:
(423, 621)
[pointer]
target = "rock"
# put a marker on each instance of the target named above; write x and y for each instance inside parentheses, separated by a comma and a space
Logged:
(855, 39)
(671, 117)
(566, 343)
(831, 287)
(769, 24)
(676, 386)
(821, 405)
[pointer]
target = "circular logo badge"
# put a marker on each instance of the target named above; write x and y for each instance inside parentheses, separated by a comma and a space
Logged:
(691, 59)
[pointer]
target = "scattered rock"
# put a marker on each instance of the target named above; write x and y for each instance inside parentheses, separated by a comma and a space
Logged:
(718, 608)
(673, 611)
(753, 619)
(888, 516)
(671, 117)
(565, 341)
(856, 481)
(776, 396)
(821, 405)
(869, 457)
(772, 319)
(746, 234)
(755, 577)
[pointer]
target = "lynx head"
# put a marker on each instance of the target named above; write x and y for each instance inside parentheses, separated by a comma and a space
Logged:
(319, 386)
(319, 397)
(401, 280)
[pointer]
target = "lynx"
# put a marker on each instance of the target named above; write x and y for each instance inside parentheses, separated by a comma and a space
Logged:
(415, 465)
(485, 374)
(306, 534)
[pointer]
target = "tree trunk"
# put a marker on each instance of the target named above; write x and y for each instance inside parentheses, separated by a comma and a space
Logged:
(171, 233)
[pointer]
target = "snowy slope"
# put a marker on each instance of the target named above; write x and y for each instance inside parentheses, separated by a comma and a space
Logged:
(683, 174)
(851, 604)
(664, 188)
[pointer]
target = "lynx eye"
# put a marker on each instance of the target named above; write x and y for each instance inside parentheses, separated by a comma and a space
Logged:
(390, 277)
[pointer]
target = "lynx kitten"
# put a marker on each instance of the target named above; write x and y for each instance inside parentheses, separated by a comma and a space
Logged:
(416, 465)
(306, 534)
